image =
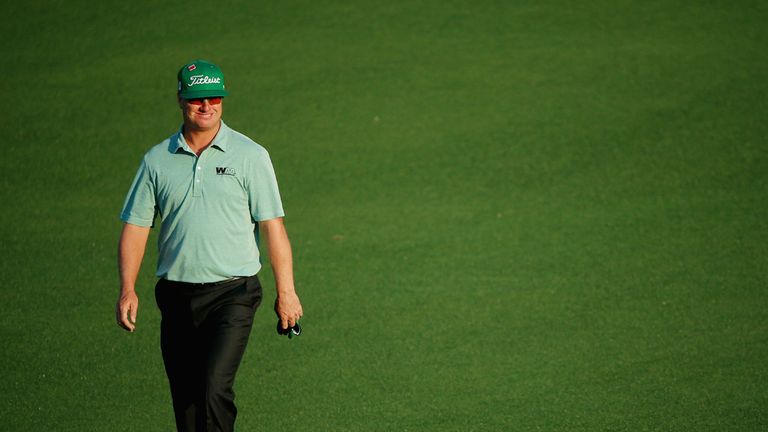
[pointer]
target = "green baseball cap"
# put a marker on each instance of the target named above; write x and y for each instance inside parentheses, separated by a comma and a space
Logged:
(201, 79)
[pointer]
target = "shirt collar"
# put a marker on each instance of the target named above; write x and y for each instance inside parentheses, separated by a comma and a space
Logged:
(219, 141)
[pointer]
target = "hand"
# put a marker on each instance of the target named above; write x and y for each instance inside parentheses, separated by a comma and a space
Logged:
(125, 310)
(288, 309)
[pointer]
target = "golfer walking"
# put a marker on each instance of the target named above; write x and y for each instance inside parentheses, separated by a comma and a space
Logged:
(213, 190)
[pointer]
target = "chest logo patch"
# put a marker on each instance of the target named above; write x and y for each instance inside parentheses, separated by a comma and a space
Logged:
(225, 171)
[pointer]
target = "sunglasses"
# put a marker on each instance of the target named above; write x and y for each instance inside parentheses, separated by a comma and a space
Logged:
(199, 102)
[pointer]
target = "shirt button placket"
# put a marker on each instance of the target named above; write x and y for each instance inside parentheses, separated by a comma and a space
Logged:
(197, 187)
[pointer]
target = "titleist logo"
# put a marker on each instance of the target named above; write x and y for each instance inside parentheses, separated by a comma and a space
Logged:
(203, 79)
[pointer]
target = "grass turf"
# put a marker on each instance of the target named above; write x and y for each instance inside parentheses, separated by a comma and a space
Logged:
(506, 216)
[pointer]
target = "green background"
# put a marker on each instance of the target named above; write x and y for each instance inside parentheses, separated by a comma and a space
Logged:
(524, 215)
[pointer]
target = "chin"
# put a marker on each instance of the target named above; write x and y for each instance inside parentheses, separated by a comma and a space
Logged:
(207, 124)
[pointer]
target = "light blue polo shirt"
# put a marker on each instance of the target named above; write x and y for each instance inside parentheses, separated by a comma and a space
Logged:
(209, 206)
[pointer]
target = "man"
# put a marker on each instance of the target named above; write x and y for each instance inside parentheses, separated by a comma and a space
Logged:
(212, 188)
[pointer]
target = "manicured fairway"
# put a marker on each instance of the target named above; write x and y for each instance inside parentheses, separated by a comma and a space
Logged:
(523, 216)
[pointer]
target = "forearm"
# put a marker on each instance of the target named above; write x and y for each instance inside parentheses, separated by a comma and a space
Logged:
(281, 258)
(287, 304)
(133, 242)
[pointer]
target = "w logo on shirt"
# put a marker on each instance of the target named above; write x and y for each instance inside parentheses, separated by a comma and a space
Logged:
(225, 171)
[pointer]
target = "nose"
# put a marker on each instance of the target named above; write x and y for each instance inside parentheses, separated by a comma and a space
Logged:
(206, 105)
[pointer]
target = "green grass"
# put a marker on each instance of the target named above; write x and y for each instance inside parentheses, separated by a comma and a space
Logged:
(505, 215)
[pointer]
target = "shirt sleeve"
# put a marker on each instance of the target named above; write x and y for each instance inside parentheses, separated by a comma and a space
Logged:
(263, 193)
(140, 204)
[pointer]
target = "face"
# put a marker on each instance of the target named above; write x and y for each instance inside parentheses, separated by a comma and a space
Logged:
(201, 114)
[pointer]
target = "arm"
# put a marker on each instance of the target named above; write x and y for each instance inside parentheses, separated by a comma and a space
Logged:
(287, 305)
(133, 241)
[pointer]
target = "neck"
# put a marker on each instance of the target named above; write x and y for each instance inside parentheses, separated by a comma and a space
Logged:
(199, 139)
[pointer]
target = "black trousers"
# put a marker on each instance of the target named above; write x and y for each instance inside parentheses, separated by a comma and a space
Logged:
(203, 335)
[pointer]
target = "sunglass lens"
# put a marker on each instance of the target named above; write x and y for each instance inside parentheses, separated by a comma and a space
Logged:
(198, 102)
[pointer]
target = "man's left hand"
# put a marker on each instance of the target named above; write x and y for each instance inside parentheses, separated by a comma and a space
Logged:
(288, 309)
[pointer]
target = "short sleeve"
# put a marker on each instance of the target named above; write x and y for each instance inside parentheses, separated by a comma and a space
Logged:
(263, 194)
(140, 204)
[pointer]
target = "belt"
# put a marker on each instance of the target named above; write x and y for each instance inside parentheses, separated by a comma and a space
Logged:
(205, 284)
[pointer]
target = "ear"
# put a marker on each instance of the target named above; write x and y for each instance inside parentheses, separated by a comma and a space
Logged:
(180, 100)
